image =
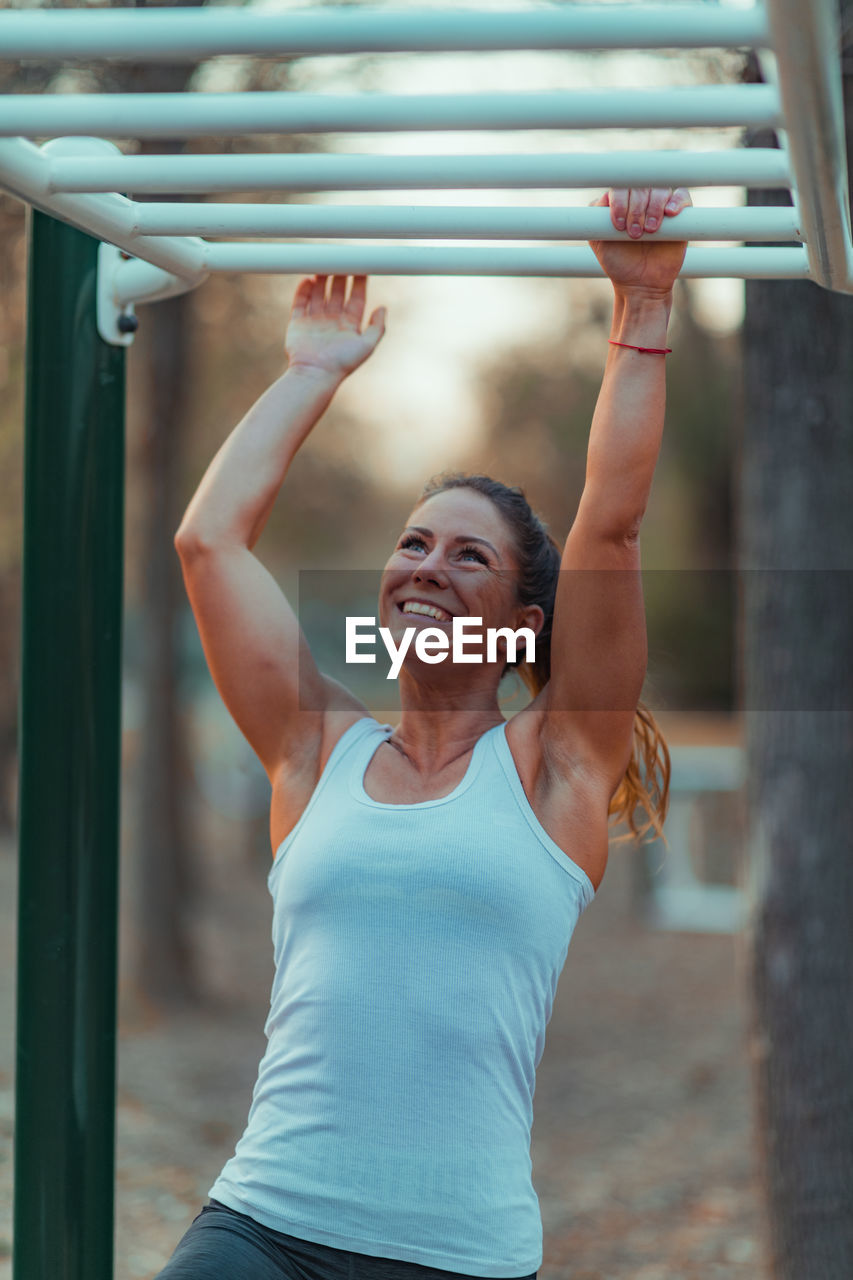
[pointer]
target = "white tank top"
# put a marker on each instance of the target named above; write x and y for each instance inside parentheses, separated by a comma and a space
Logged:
(417, 952)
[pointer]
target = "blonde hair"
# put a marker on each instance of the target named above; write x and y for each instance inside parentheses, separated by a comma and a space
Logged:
(645, 784)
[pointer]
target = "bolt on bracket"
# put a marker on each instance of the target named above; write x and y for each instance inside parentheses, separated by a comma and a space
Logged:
(124, 281)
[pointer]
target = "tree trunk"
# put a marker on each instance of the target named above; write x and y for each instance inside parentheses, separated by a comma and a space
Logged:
(162, 871)
(795, 516)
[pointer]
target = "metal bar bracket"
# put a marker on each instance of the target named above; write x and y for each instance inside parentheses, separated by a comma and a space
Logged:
(124, 281)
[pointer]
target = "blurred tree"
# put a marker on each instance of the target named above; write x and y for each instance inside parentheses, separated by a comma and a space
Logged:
(162, 847)
(796, 554)
(13, 261)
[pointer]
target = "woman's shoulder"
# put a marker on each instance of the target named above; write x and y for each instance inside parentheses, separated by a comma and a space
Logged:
(298, 775)
(552, 773)
(343, 710)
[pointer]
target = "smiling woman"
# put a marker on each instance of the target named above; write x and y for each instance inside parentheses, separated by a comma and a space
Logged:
(427, 878)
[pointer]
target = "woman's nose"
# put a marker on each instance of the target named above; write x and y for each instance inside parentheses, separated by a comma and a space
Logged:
(432, 566)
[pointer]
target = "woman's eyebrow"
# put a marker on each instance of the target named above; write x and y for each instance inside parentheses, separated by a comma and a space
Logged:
(462, 537)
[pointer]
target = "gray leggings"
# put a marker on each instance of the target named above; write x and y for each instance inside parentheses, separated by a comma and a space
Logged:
(222, 1244)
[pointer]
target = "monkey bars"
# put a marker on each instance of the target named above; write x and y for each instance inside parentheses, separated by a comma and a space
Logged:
(153, 115)
(180, 34)
(78, 175)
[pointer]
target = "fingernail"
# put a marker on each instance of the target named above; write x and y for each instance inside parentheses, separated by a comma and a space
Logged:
(620, 224)
(651, 223)
(636, 229)
(672, 203)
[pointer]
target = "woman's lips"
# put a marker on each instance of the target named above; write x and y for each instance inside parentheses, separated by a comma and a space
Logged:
(426, 617)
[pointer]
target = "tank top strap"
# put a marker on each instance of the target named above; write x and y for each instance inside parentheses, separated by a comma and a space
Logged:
(505, 764)
(363, 743)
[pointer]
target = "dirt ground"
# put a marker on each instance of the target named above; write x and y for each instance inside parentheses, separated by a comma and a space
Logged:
(643, 1151)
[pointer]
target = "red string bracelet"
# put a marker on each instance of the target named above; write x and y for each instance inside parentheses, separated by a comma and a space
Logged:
(647, 351)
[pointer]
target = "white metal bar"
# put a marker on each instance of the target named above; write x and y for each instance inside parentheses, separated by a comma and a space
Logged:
(697, 769)
(454, 222)
(189, 115)
(748, 167)
(806, 42)
(181, 34)
(24, 171)
(484, 261)
(676, 897)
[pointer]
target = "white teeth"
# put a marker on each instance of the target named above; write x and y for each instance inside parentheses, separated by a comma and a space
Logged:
(414, 606)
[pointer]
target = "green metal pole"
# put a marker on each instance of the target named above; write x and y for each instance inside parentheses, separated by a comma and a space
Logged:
(70, 741)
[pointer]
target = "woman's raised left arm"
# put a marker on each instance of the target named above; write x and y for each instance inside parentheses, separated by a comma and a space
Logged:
(598, 638)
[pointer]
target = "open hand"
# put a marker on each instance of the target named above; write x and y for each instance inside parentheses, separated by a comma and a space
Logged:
(324, 332)
(643, 263)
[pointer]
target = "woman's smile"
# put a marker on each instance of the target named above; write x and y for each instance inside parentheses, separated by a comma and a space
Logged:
(412, 608)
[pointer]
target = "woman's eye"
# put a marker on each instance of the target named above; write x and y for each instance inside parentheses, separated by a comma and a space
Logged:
(412, 541)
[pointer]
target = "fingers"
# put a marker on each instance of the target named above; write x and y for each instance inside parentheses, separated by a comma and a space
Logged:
(311, 298)
(325, 326)
(680, 199)
(337, 294)
(658, 197)
(376, 328)
(638, 200)
(619, 207)
(317, 304)
(640, 210)
(354, 309)
(302, 298)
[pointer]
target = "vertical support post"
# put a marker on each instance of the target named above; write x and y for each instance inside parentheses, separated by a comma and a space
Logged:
(70, 740)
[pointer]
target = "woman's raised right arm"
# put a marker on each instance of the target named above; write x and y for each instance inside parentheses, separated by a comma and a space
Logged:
(249, 632)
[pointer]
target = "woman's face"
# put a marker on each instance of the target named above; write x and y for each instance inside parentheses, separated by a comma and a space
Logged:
(456, 558)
